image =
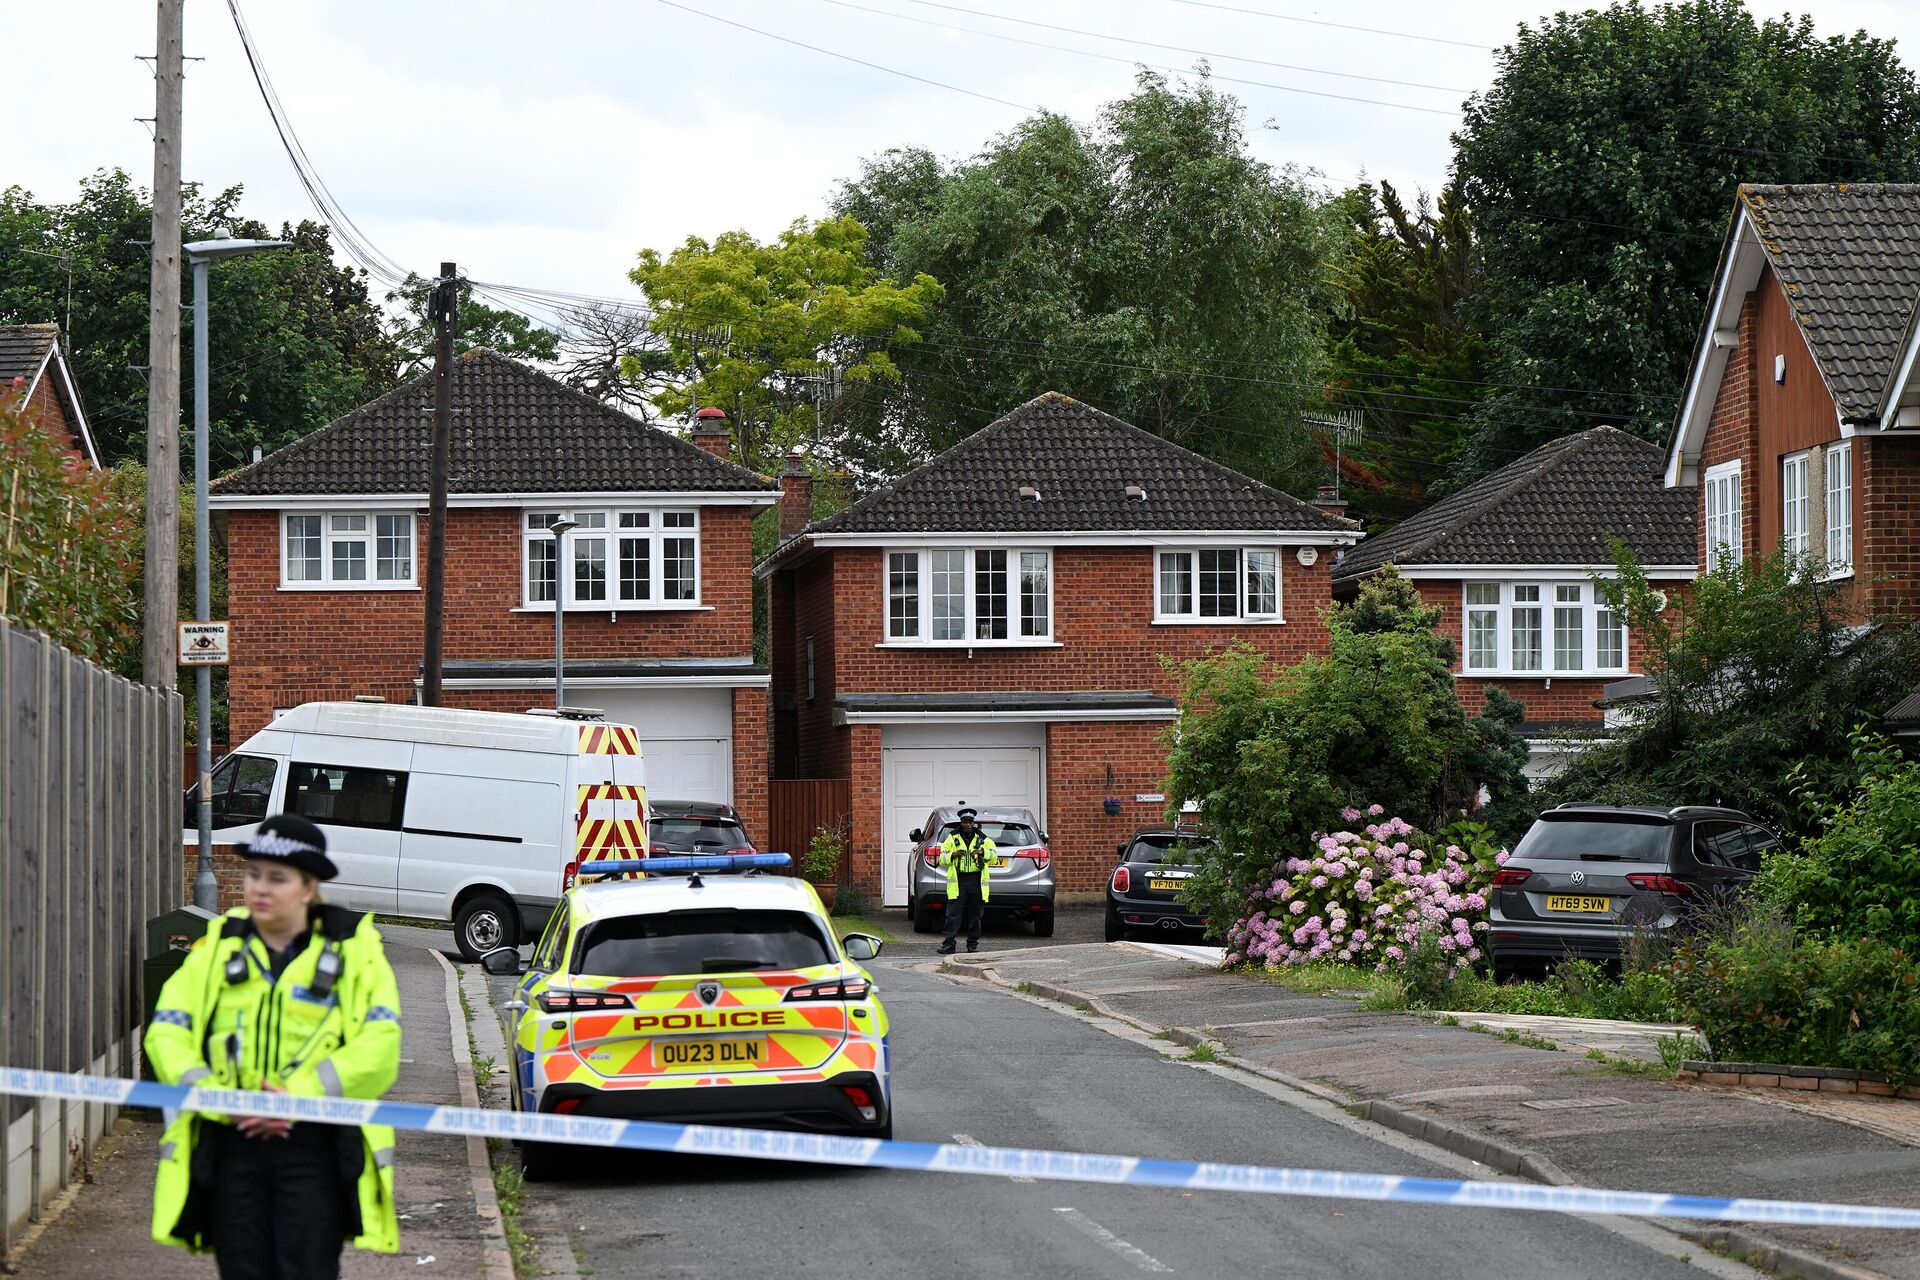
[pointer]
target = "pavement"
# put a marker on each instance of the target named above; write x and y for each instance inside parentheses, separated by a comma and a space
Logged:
(1476, 1091)
(102, 1232)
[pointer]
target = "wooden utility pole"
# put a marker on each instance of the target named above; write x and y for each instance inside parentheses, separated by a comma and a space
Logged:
(159, 649)
(446, 298)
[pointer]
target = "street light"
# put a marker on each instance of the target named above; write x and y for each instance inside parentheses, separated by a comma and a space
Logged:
(200, 256)
(560, 529)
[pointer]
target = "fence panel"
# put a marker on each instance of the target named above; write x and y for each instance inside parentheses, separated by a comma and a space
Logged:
(89, 851)
(798, 807)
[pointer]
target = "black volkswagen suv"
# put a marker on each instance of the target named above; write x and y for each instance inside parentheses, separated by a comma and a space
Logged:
(1587, 877)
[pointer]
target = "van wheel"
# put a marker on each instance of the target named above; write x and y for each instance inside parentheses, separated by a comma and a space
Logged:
(485, 922)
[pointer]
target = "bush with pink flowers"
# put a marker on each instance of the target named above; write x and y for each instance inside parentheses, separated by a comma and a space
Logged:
(1372, 896)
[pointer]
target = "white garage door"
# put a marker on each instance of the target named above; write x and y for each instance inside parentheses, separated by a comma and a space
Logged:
(917, 780)
(686, 736)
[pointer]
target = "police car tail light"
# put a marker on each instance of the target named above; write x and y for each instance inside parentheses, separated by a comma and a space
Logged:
(862, 1101)
(555, 1000)
(834, 989)
(1122, 880)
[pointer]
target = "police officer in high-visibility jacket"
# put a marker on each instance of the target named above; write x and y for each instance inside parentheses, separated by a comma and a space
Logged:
(286, 995)
(967, 855)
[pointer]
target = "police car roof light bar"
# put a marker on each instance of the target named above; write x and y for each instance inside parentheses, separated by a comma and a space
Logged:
(693, 865)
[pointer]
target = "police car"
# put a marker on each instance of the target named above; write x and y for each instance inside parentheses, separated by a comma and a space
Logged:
(694, 991)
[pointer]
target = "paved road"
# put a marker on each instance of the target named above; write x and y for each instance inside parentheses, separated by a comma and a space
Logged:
(1002, 1071)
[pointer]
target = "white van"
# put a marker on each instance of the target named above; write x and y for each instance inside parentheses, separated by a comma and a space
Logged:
(474, 817)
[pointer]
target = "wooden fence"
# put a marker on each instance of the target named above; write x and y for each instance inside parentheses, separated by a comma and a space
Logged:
(798, 807)
(89, 852)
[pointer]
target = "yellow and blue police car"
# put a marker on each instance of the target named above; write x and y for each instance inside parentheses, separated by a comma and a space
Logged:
(696, 991)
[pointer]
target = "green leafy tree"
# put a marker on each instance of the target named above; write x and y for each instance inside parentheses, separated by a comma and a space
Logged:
(1600, 169)
(1759, 675)
(1148, 264)
(296, 340)
(476, 324)
(755, 328)
(1408, 345)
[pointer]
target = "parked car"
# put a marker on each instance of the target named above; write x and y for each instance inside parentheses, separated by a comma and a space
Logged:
(695, 826)
(1586, 877)
(1019, 884)
(1144, 890)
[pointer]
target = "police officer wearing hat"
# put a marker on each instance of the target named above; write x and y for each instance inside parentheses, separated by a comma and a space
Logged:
(966, 855)
(288, 995)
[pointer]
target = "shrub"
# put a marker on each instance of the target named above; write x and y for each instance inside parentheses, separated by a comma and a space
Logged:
(1763, 994)
(825, 852)
(1861, 873)
(1370, 897)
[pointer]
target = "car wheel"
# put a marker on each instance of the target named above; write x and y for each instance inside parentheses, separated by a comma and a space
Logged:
(1043, 925)
(926, 920)
(1505, 971)
(540, 1161)
(884, 1132)
(485, 922)
(1115, 930)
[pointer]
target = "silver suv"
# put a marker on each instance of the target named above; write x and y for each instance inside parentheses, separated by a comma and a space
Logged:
(1019, 884)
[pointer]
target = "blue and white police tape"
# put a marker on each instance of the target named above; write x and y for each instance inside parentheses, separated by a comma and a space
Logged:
(940, 1157)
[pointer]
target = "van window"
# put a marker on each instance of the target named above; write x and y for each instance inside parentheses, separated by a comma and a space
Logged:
(242, 786)
(700, 942)
(345, 796)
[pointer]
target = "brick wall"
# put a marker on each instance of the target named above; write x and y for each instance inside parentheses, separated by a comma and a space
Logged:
(49, 412)
(1733, 432)
(229, 871)
(1887, 530)
(301, 646)
(1079, 756)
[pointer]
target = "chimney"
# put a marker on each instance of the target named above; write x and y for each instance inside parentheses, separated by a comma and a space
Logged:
(711, 433)
(796, 496)
(1329, 502)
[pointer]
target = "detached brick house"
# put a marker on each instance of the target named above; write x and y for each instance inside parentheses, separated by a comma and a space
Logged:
(325, 570)
(32, 355)
(996, 626)
(1510, 561)
(1799, 426)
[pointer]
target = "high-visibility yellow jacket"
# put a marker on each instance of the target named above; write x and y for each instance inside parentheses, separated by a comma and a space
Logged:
(958, 855)
(211, 1030)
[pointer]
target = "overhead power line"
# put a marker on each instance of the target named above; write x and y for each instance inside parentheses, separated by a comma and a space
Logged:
(1338, 26)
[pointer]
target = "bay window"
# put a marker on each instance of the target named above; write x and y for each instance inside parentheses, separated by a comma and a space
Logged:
(1518, 620)
(615, 559)
(969, 596)
(1205, 584)
(347, 549)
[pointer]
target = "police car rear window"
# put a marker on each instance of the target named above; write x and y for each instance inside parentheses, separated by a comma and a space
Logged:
(683, 942)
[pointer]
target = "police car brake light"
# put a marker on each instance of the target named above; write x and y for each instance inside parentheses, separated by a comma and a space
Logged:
(559, 1000)
(833, 989)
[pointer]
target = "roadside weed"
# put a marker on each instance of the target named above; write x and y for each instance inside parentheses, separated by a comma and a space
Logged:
(1203, 1052)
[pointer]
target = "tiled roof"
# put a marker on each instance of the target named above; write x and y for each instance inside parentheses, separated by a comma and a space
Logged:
(1848, 256)
(24, 348)
(1555, 506)
(1081, 461)
(515, 430)
(1905, 714)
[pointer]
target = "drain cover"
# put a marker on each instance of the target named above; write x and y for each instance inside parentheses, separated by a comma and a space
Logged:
(1573, 1104)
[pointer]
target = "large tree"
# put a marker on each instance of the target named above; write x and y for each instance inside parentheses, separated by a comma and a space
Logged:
(1147, 264)
(1601, 167)
(295, 339)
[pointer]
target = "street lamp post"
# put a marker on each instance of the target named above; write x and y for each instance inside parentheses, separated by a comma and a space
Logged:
(560, 529)
(200, 256)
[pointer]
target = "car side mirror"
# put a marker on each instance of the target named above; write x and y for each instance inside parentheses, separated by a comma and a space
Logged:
(861, 947)
(914, 835)
(501, 962)
(1120, 852)
(1043, 838)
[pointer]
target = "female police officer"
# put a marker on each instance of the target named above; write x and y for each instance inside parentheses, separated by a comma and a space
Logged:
(290, 996)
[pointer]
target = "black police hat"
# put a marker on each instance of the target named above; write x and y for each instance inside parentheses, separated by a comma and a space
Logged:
(290, 839)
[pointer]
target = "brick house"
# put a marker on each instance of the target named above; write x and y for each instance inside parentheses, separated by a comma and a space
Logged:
(997, 625)
(32, 354)
(325, 568)
(1510, 562)
(1799, 426)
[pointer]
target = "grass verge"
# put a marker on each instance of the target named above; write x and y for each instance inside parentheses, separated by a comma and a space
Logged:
(510, 1188)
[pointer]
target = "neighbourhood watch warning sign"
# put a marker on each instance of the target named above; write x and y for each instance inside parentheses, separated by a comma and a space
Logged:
(203, 644)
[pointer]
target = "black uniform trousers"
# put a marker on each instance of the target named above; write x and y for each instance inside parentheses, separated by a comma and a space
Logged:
(278, 1206)
(965, 911)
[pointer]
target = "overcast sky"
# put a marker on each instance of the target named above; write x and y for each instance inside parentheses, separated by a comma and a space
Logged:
(547, 144)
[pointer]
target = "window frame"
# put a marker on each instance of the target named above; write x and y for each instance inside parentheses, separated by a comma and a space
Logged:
(368, 538)
(1547, 603)
(655, 534)
(1724, 479)
(922, 577)
(397, 821)
(1796, 504)
(1192, 575)
(1838, 463)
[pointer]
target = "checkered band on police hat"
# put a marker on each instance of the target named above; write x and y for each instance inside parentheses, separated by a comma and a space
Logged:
(291, 839)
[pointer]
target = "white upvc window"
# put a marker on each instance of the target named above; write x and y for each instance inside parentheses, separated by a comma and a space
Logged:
(1217, 584)
(1795, 533)
(1720, 496)
(968, 596)
(616, 559)
(1540, 629)
(1839, 493)
(348, 550)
